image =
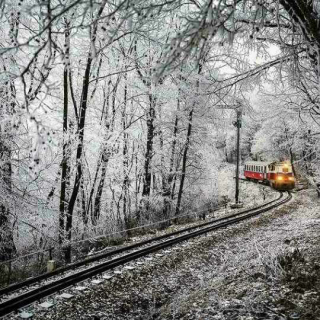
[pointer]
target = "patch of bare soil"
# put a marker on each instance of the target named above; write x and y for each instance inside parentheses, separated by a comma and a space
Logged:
(265, 268)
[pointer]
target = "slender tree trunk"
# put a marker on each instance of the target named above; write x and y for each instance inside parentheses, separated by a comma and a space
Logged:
(83, 204)
(185, 152)
(75, 190)
(65, 156)
(184, 163)
(97, 200)
(104, 119)
(80, 133)
(167, 181)
(125, 185)
(7, 246)
(105, 156)
(149, 148)
(291, 161)
(137, 179)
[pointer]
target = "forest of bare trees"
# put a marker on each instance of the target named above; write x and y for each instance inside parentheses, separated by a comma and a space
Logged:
(111, 112)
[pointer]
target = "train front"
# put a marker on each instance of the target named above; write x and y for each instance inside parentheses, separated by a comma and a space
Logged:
(283, 178)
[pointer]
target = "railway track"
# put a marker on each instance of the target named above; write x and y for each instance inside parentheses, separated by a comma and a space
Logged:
(22, 294)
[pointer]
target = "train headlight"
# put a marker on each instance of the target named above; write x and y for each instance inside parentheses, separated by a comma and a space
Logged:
(279, 178)
(291, 178)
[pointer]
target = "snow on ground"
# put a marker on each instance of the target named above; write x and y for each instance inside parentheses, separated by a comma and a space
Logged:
(266, 268)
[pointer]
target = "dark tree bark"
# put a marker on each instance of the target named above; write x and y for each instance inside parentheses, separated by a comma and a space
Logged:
(65, 156)
(185, 152)
(83, 204)
(80, 133)
(168, 180)
(149, 148)
(184, 162)
(7, 246)
(151, 115)
(125, 184)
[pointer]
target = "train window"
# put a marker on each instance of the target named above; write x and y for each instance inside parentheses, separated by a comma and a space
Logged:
(285, 169)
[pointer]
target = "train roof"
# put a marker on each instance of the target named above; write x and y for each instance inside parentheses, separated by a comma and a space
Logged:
(266, 163)
(258, 163)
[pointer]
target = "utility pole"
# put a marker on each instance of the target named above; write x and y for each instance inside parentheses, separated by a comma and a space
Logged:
(238, 108)
(238, 125)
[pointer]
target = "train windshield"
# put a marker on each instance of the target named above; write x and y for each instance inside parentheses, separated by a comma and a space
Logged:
(286, 168)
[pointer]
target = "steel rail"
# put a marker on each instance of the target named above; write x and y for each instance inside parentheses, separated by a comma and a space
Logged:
(20, 285)
(48, 289)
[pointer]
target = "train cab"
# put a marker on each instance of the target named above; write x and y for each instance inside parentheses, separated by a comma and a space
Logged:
(280, 175)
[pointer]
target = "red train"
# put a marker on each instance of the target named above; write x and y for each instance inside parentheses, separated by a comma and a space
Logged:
(278, 174)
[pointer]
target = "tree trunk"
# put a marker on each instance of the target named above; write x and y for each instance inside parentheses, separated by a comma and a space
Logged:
(167, 181)
(105, 156)
(7, 246)
(147, 176)
(97, 200)
(125, 185)
(185, 152)
(65, 155)
(80, 133)
(149, 148)
(184, 163)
